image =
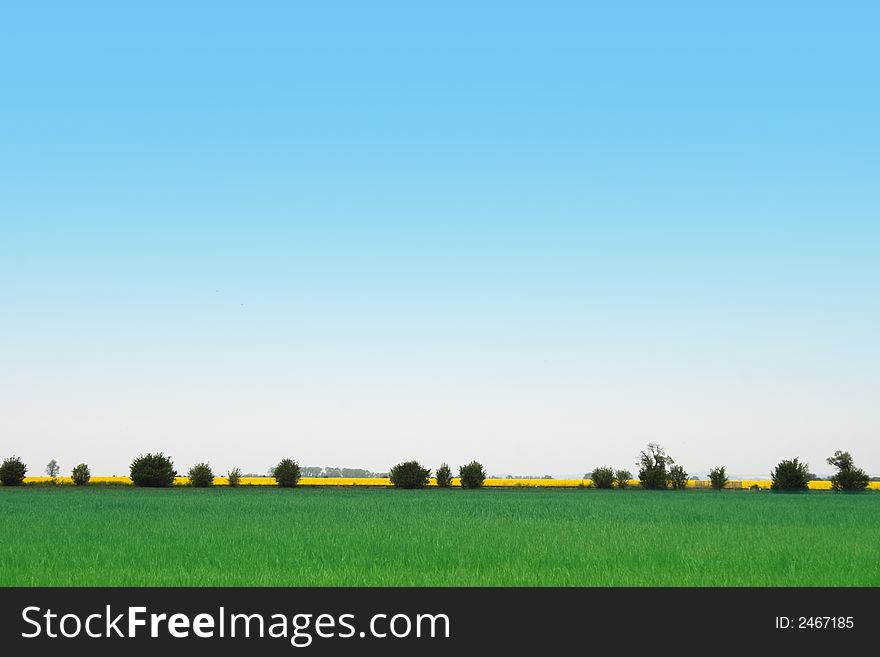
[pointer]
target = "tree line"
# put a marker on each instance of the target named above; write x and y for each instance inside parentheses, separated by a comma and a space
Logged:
(657, 471)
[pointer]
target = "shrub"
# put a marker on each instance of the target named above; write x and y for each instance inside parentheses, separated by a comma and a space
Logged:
(152, 471)
(286, 473)
(472, 475)
(201, 475)
(81, 475)
(12, 471)
(848, 476)
(234, 477)
(678, 477)
(790, 475)
(444, 476)
(409, 474)
(621, 478)
(850, 480)
(603, 477)
(652, 467)
(718, 477)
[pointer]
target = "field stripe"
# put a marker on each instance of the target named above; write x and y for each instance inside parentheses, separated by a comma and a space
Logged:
(380, 481)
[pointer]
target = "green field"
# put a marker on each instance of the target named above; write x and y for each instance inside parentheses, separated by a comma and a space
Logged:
(358, 537)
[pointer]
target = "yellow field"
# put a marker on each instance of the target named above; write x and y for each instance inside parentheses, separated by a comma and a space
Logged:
(490, 483)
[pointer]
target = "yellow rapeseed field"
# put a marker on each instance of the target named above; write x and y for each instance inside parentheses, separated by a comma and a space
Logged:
(381, 481)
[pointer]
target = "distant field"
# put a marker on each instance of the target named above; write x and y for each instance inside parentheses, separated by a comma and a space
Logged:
(264, 536)
(382, 481)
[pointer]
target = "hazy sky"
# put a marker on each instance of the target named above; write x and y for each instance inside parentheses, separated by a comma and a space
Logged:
(535, 234)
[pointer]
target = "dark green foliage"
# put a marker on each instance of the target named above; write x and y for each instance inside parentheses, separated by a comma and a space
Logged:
(850, 480)
(603, 477)
(286, 473)
(409, 474)
(201, 475)
(12, 471)
(234, 477)
(678, 477)
(81, 475)
(444, 476)
(621, 478)
(718, 477)
(472, 475)
(152, 471)
(790, 475)
(653, 462)
(848, 477)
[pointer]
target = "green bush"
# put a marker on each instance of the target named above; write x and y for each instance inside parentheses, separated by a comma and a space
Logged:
(81, 475)
(201, 475)
(652, 467)
(444, 476)
(790, 475)
(286, 473)
(234, 477)
(850, 480)
(718, 477)
(12, 471)
(621, 478)
(152, 471)
(472, 475)
(678, 477)
(848, 477)
(409, 474)
(602, 478)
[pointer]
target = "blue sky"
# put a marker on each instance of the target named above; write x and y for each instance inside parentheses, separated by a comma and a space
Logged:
(536, 234)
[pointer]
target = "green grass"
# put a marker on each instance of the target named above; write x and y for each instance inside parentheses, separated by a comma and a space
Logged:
(64, 536)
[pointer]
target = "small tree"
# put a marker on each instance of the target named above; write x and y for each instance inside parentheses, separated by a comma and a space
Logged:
(12, 471)
(444, 476)
(848, 477)
(286, 473)
(718, 477)
(409, 474)
(603, 477)
(653, 462)
(53, 470)
(621, 478)
(234, 477)
(678, 477)
(81, 475)
(152, 471)
(472, 475)
(790, 475)
(201, 475)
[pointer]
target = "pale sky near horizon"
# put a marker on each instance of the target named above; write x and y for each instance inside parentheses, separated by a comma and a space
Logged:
(539, 235)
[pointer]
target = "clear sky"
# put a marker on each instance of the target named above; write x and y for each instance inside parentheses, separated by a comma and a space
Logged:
(535, 234)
